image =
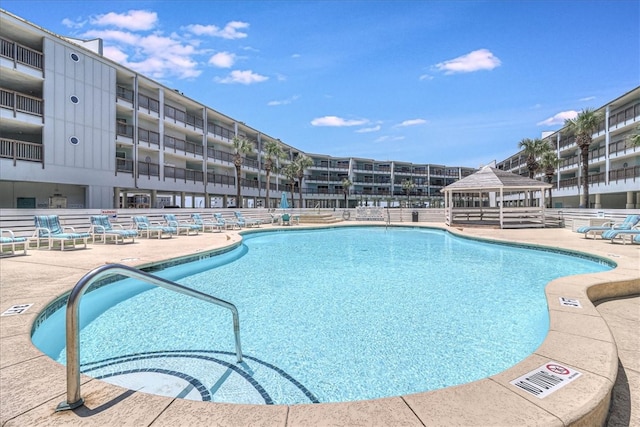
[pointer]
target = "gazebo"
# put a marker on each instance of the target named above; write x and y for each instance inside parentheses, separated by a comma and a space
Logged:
(495, 198)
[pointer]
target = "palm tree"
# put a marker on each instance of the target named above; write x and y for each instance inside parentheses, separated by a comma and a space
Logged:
(634, 138)
(533, 149)
(272, 153)
(240, 146)
(549, 162)
(346, 184)
(290, 171)
(301, 163)
(582, 127)
(407, 186)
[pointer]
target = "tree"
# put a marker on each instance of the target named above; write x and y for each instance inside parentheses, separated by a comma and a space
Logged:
(549, 162)
(273, 153)
(634, 138)
(582, 127)
(533, 149)
(241, 146)
(407, 186)
(301, 163)
(346, 184)
(290, 171)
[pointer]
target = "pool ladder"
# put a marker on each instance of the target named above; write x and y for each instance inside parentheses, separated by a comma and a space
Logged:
(74, 399)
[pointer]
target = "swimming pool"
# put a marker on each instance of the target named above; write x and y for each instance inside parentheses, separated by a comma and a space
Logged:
(338, 314)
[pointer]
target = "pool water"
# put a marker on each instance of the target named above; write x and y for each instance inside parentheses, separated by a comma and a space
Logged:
(330, 315)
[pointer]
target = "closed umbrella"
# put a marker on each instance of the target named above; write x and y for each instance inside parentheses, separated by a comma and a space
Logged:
(283, 202)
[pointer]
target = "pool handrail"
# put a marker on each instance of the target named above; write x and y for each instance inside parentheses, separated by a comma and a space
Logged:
(74, 399)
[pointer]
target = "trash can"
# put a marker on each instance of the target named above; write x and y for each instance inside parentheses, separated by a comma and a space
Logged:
(414, 216)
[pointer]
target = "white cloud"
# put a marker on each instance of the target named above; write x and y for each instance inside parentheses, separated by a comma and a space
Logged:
(477, 60)
(117, 36)
(412, 122)
(134, 20)
(245, 77)
(559, 118)
(588, 98)
(73, 24)
(425, 77)
(283, 102)
(230, 31)
(387, 138)
(334, 121)
(222, 60)
(367, 130)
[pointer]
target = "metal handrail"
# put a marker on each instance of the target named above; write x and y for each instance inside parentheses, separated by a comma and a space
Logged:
(74, 399)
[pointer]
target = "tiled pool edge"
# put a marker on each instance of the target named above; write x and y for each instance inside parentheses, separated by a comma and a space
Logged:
(398, 410)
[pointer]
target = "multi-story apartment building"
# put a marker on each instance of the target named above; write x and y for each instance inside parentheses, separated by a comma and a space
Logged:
(614, 162)
(81, 131)
(78, 130)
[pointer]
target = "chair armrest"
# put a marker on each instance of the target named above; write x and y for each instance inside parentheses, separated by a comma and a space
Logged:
(68, 227)
(96, 229)
(9, 232)
(36, 233)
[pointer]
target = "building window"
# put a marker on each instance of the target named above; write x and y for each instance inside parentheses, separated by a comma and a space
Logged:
(74, 140)
(75, 57)
(74, 99)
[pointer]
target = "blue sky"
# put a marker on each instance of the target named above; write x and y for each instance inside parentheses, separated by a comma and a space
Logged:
(458, 83)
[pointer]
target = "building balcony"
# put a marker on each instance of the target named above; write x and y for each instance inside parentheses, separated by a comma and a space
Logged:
(21, 103)
(21, 150)
(181, 174)
(182, 146)
(21, 55)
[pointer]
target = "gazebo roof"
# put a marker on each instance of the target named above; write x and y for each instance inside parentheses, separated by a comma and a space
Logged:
(489, 178)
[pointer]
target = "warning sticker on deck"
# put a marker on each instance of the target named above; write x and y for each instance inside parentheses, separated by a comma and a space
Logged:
(546, 379)
(570, 302)
(16, 309)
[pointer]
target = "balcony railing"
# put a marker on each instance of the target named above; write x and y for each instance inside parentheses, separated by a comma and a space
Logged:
(186, 175)
(124, 129)
(21, 54)
(624, 116)
(182, 116)
(624, 174)
(220, 132)
(149, 104)
(148, 136)
(182, 145)
(221, 179)
(21, 150)
(124, 94)
(212, 153)
(249, 183)
(148, 169)
(124, 165)
(21, 103)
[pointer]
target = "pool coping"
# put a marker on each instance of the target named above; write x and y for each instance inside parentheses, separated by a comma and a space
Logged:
(579, 339)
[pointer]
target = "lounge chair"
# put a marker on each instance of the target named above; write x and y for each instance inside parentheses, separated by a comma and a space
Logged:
(101, 228)
(246, 222)
(149, 229)
(228, 223)
(181, 225)
(621, 234)
(629, 222)
(48, 229)
(9, 240)
(207, 223)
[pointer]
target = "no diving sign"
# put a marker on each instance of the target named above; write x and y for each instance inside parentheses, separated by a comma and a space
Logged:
(546, 379)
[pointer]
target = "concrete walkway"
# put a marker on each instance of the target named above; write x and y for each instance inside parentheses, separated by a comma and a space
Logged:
(589, 340)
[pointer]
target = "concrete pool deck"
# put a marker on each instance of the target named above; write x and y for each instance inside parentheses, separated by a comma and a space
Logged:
(589, 340)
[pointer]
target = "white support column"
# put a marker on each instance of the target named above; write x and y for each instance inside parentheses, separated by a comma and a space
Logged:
(630, 204)
(598, 202)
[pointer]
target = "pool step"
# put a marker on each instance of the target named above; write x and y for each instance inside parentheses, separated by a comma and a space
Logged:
(201, 375)
(320, 218)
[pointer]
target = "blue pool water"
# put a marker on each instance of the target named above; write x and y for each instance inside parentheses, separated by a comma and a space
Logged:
(327, 315)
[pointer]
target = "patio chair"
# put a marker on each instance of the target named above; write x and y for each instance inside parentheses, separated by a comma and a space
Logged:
(246, 222)
(285, 219)
(149, 229)
(207, 223)
(629, 222)
(9, 240)
(228, 223)
(621, 234)
(48, 229)
(101, 228)
(181, 225)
